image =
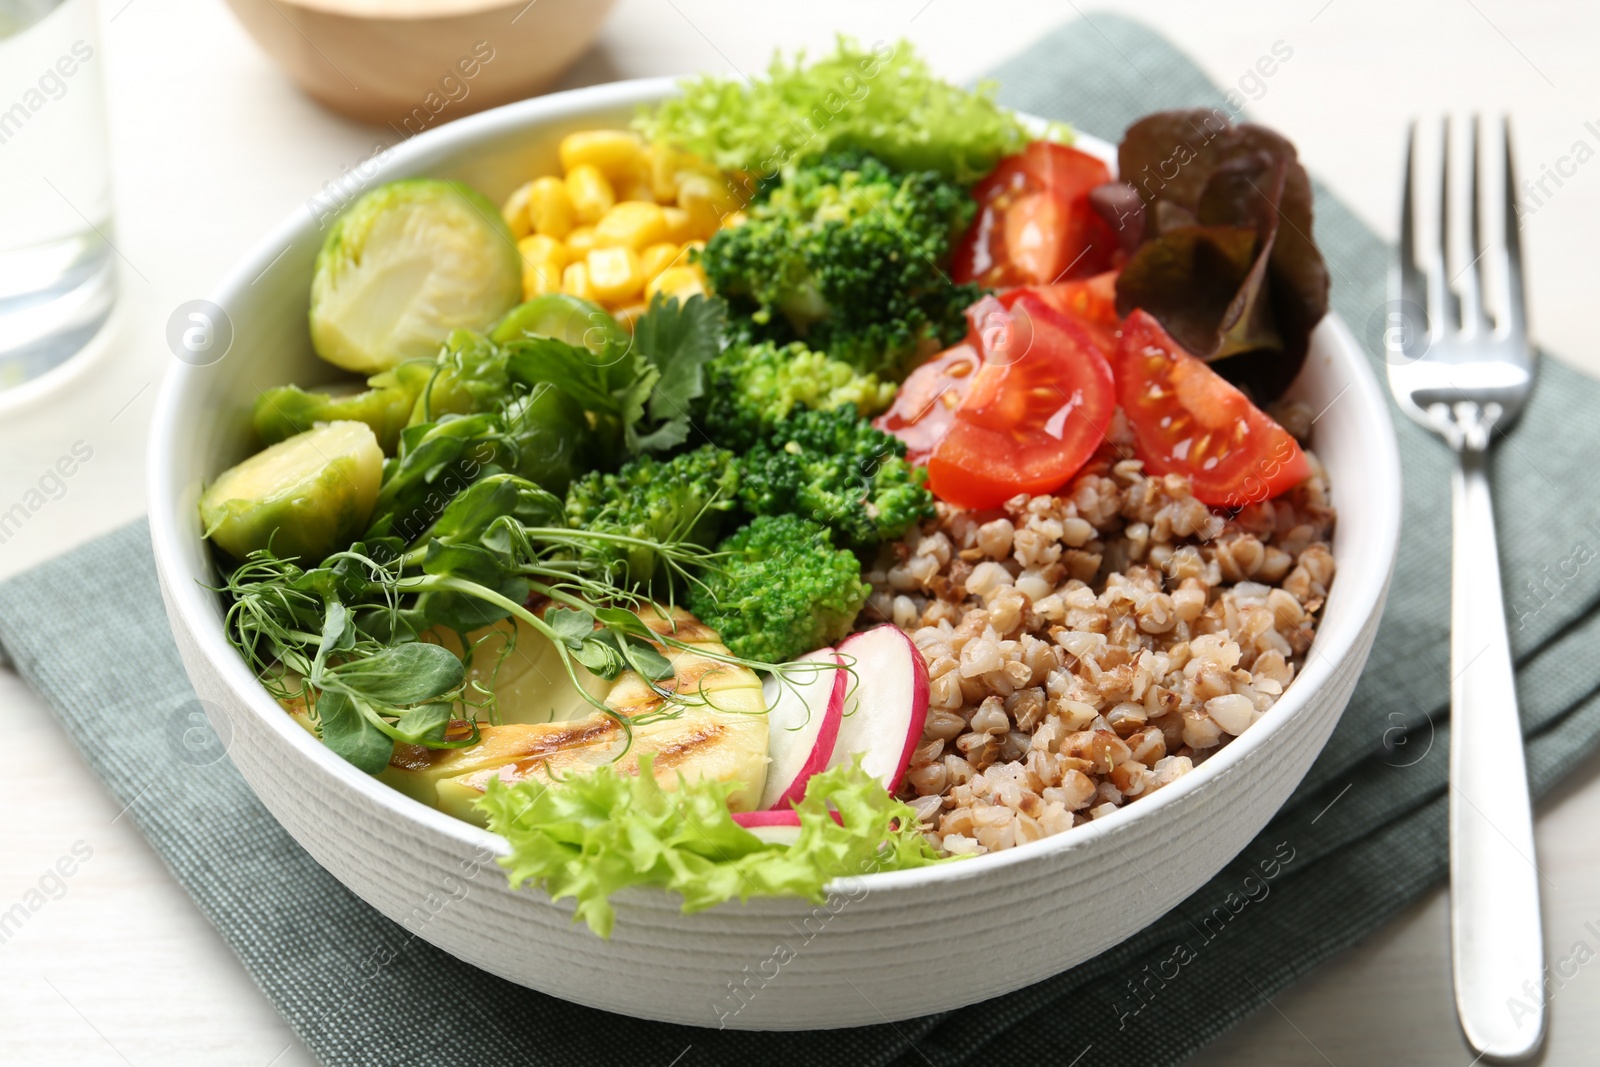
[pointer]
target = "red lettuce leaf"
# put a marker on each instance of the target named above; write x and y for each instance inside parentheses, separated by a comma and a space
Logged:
(1227, 263)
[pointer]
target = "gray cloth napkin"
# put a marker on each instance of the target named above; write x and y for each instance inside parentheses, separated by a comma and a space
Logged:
(1362, 838)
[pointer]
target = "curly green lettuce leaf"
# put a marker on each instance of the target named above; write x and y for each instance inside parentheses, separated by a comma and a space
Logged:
(884, 100)
(589, 836)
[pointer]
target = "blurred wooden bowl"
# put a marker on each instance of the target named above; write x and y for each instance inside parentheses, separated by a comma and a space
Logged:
(418, 63)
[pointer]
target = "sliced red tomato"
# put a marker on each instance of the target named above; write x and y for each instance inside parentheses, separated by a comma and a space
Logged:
(926, 404)
(1034, 224)
(1035, 410)
(1189, 420)
(1090, 302)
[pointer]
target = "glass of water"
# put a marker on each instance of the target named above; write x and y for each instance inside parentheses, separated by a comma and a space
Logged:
(57, 269)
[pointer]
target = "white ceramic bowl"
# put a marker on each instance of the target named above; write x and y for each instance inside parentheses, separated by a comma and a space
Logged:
(875, 951)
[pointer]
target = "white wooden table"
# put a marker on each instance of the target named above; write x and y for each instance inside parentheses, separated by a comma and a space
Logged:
(211, 146)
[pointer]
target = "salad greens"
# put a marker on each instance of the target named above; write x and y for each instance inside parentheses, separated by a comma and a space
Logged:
(591, 835)
(639, 388)
(353, 626)
(883, 99)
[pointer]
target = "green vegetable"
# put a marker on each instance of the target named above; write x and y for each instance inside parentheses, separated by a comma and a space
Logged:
(434, 462)
(591, 835)
(681, 500)
(553, 440)
(385, 405)
(406, 265)
(638, 389)
(780, 588)
(467, 376)
(850, 256)
(305, 497)
(609, 651)
(542, 435)
(885, 100)
(1227, 262)
(310, 638)
(679, 338)
(342, 635)
(566, 318)
(835, 468)
(544, 409)
(754, 387)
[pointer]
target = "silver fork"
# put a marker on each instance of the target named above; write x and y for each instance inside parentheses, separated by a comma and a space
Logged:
(1464, 377)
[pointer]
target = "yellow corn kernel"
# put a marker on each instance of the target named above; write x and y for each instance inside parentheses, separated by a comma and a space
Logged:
(591, 192)
(575, 281)
(629, 315)
(737, 218)
(637, 191)
(543, 259)
(680, 282)
(708, 201)
(657, 258)
(667, 164)
(617, 154)
(631, 224)
(580, 240)
(663, 163)
(515, 211)
(550, 209)
(614, 274)
(677, 224)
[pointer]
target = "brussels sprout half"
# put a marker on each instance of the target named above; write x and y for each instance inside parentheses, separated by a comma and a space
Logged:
(306, 497)
(410, 262)
(386, 405)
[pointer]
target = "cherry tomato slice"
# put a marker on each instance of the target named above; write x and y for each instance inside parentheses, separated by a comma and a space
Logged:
(1034, 224)
(1189, 420)
(926, 404)
(1036, 409)
(1090, 302)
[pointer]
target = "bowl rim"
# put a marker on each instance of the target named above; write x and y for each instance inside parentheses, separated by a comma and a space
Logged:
(413, 12)
(1362, 581)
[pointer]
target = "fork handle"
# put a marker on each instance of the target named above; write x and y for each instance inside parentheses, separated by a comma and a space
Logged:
(1497, 947)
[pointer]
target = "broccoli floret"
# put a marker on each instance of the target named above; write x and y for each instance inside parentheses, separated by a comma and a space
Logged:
(780, 590)
(681, 499)
(834, 468)
(850, 255)
(753, 387)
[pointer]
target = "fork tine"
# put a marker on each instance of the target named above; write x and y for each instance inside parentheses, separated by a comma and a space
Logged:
(1443, 308)
(1515, 320)
(1474, 280)
(1411, 286)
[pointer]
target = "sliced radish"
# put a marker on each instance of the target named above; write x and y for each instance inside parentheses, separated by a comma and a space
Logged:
(886, 706)
(775, 827)
(752, 820)
(803, 716)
